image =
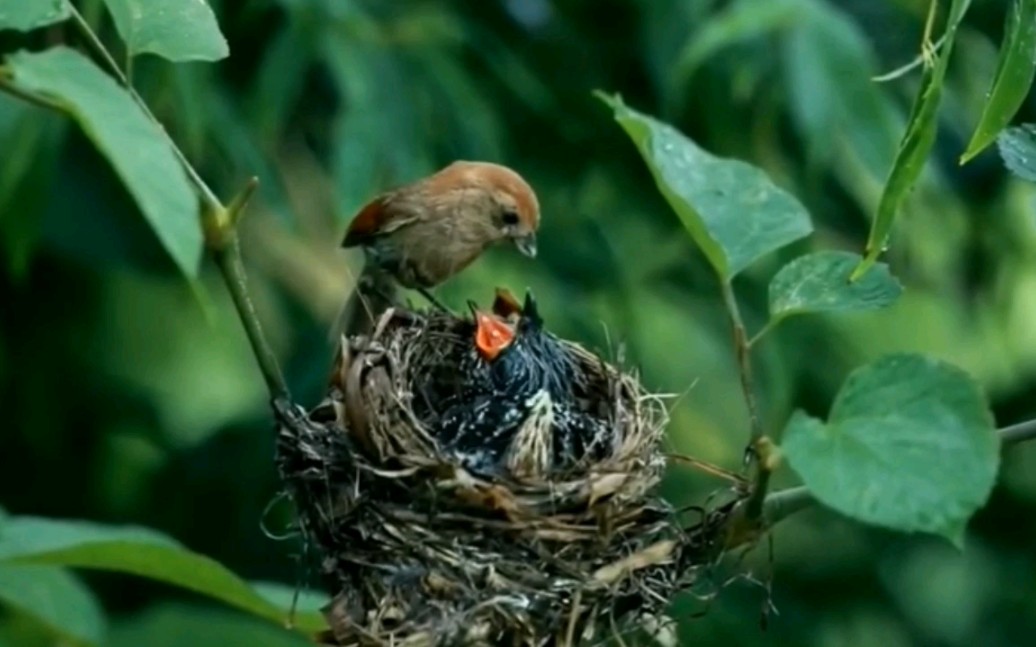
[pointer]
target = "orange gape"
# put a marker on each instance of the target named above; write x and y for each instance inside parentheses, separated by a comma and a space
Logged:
(491, 335)
(423, 233)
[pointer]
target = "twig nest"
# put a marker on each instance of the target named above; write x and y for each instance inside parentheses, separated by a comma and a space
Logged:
(448, 509)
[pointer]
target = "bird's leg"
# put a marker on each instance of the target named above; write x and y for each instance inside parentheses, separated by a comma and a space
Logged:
(431, 299)
(370, 285)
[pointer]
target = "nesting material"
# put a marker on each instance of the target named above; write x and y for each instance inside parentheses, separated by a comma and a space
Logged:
(425, 544)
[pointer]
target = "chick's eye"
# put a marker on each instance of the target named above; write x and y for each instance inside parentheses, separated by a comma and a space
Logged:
(510, 218)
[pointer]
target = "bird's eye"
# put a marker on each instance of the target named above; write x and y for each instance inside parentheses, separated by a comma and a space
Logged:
(510, 218)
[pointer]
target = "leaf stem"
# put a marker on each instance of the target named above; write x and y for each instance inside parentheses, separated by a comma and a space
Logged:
(129, 68)
(917, 62)
(770, 325)
(95, 43)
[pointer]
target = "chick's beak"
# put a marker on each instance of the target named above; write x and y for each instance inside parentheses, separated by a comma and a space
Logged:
(492, 336)
(526, 244)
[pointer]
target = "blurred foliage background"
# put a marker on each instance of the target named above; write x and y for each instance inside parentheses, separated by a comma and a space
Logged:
(129, 396)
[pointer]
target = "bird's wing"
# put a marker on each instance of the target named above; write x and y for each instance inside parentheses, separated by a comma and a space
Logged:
(379, 217)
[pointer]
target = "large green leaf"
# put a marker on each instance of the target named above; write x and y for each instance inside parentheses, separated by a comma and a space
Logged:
(55, 598)
(176, 625)
(731, 209)
(820, 283)
(26, 15)
(916, 143)
(138, 551)
(177, 30)
(135, 146)
(1014, 74)
(1018, 149)
(909, 445)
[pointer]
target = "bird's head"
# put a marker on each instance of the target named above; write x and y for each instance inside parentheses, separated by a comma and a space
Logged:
(510, 204)
(531, 319)
(506, 305)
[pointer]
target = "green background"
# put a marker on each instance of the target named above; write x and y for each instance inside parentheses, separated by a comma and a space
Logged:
(129, 396)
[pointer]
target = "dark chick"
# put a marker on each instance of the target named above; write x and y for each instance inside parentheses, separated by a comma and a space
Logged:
(517, 407)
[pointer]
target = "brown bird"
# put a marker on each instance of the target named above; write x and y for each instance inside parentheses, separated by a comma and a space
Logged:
(421, 234)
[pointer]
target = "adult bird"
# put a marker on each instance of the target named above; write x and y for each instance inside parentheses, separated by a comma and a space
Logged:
(419, 235)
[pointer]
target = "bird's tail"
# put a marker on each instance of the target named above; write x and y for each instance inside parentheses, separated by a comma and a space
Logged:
(375, 293)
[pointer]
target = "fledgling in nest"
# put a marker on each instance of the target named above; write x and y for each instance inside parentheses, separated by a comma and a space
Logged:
(523, 405)
(487, 483)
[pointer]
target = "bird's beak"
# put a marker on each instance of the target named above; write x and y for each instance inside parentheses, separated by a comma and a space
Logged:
(492, 336)
(526, 244)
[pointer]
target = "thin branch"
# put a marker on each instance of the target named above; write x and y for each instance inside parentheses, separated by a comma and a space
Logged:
(1018, 433)
(227, 255)
(759, 445)
(95, 43)
(781, 505)
(744, 361)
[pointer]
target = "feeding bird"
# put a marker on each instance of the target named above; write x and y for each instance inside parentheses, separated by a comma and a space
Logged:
(419, 235)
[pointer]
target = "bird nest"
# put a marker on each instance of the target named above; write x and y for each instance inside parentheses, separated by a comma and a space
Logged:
(505, 534)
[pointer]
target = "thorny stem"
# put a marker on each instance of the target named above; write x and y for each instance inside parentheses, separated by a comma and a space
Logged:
(757, 445)
(781, 505)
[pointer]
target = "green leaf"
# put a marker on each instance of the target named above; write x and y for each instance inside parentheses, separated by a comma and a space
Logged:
(827, 62)
(916, 143)
(1014, 74)
(731, 209)
(1018, 149)
(176, 625)
(307, 602)
(820, 283)
(909, 445)
(31, 145)
(177, 30)
(26, 15)
(736, 23)
(138, 551)
(135, 146)
(55, 598)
